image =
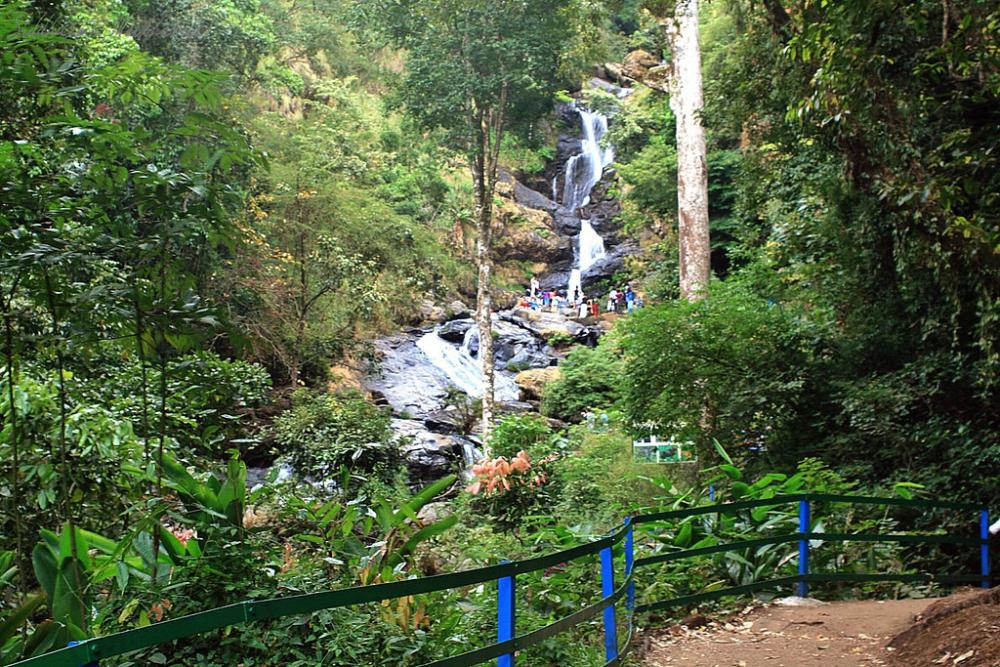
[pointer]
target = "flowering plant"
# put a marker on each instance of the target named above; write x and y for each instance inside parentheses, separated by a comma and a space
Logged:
(509, 490)
(500, 476)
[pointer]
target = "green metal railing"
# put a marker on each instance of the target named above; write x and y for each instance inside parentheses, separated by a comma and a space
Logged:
(92, 651)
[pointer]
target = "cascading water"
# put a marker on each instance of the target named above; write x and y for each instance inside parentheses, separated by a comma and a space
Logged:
(583, 172)
(463, 371)
(467, 341)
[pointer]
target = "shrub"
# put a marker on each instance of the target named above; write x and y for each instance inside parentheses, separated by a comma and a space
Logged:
(590, 380)
(754, 365)
(525, 432)
(323, 433)
(510, 490)
(518, 482)
(205, 394)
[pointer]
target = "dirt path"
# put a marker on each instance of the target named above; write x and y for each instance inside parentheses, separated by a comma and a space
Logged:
(839, 634)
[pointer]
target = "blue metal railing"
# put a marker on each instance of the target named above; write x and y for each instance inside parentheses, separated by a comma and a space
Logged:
(505, 574)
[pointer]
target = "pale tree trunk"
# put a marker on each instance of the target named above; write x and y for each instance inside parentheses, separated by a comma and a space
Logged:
(489, 127)
(687, 101)
(484, 311)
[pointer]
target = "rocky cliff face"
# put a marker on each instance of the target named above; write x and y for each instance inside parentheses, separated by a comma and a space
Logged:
(534, 225)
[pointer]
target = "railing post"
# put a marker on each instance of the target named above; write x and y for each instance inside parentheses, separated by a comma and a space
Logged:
(984, 548)
(629, 565)
(607, 590)
(506, 605)
(71, 644)
(804, 528)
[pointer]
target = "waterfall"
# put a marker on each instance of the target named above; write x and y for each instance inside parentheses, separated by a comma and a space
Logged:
(591, 245)
(470, 336)
(463, 371)
(583, 171)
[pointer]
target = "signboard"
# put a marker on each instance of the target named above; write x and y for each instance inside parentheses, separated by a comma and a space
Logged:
(663, 451)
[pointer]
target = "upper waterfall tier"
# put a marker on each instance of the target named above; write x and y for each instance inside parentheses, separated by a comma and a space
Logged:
(583, 171)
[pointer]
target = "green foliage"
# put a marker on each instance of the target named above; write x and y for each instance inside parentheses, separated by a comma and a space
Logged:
(590, 380)
(229, 34)
(475, 66)
(207, 395)
(323, 433)
(600, 481)
(508, 494)
(733, 366)
(522, 432)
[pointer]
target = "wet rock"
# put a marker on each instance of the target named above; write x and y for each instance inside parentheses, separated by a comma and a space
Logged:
(406, 379)
(542, 323)
(602, 83)
(556, 278)
(568, 115)
(609, 265)
(448, 420)
(515, 347)
(429, 456)
(532, 382)
(525, 196)
(517, 407)
(455, 330)
(457, 310)
(530, 358)
(566, 222)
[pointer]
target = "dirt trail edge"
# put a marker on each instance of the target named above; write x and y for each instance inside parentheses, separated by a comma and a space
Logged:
(838, 634)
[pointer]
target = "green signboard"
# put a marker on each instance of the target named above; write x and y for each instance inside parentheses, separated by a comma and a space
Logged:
(663, 451)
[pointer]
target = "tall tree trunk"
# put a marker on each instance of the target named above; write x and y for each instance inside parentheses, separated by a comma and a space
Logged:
(489, 127)
(687, 101)
(484, 297)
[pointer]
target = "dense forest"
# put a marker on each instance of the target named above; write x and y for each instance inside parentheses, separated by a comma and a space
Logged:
(289, 295)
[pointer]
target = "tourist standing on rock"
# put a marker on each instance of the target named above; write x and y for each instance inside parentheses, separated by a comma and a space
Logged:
(612, 299)
(629, 299)
(583, 309)
(595, 308)
(620, 300)
(534, 286)
(576, 295)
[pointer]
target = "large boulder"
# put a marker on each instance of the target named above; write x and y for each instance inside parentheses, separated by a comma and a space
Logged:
(431, 312)
(638, 63)
(525, 196)
(429, 456)
(457, 310)
(515, 347)
(543, 324)
(405, 378)
(606, 267)
(567, 223)
(527, 234)
(455, 330)
(532, 382)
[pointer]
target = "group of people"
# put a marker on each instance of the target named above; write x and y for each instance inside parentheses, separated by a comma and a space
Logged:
(624, 300)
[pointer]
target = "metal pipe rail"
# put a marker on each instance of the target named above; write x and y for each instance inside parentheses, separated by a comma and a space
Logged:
(92, 651)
